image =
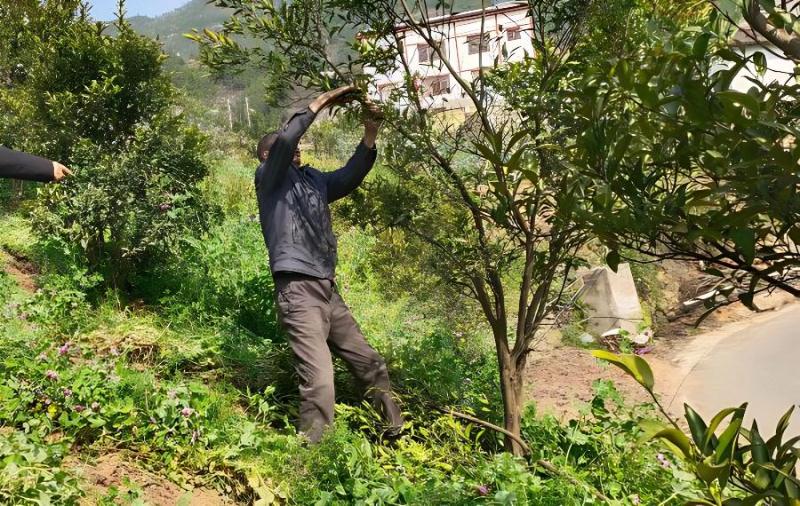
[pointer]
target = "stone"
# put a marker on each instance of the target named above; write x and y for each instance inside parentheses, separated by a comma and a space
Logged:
(611, 300)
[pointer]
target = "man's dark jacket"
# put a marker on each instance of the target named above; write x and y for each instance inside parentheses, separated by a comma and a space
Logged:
(293, 202)
(18, 165)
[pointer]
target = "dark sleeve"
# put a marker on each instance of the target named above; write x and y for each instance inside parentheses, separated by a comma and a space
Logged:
(280, 155)
(18, 165)
(343, 181)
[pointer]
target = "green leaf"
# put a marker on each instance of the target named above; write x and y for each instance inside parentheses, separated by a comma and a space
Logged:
(678, 439)
(760, 62)
(647, 95)
(488, 154)
(718, 418)
(738, 99)
(697, 426)
(634, 365)
(745, 241)
(727, 444)
(783, 424)
(624, 74)
(613, 259)
(701, 45)
(708, 471)
(758, 448)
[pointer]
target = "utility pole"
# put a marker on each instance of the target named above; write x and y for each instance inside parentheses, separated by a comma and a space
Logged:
(230, 114)
(247, 109)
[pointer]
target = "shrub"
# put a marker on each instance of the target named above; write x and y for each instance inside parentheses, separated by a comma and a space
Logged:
(31, 472)
(104, 106)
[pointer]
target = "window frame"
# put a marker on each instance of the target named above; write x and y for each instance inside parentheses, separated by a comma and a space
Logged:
(478, 48)
(439, 85)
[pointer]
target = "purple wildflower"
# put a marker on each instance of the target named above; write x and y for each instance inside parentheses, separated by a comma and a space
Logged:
(165, 207)
(78, 408)
(64, 349)
(172, 394)
(51, 375)
(482, 490)
(187, 412)
(663, 461)
(67, 392)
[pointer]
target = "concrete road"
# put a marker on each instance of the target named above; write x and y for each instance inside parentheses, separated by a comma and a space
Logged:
(759, 363)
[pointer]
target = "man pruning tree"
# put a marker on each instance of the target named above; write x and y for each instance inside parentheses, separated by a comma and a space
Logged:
(293, 204)
(17, 165)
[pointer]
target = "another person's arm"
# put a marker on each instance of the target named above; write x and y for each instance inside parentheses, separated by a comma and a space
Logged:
(18, 165)
(282, 151)
(344, 181)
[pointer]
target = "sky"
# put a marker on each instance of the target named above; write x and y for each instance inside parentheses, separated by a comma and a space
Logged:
(104, 10)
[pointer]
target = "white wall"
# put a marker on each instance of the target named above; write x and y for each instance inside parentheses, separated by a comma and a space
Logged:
(455, 34)
(779, 69)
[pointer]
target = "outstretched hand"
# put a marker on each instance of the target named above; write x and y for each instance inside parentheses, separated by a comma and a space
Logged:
(60, 171)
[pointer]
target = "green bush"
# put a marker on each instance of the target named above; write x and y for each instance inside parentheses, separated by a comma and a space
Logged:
(32, 472)
(104, 106)
(223, 273)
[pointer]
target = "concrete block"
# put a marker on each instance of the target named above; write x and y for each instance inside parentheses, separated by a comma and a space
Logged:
(611, 300)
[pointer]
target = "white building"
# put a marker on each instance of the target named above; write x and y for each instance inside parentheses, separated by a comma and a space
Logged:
(507, 31)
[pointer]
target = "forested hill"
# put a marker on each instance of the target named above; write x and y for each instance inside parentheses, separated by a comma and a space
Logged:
(170, 27)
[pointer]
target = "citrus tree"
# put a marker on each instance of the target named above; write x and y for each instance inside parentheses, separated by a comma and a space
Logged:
(488, 201)
(691, 167)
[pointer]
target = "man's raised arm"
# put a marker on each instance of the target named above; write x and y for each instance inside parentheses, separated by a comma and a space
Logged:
(344, 181)
(282, 150)
(18, 165)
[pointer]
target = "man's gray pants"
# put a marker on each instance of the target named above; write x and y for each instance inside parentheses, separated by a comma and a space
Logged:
(318, 322)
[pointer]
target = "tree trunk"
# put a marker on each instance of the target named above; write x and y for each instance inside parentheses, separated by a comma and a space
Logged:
(511, 381)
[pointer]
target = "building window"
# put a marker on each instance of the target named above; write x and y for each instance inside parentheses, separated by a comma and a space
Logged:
(439, 86)
(427, 54)
(424, 52)
(474, 45)
(513, 34)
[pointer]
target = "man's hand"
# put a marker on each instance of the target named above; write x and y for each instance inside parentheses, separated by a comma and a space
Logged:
(60, 172)
(340, 95)
(372, 117)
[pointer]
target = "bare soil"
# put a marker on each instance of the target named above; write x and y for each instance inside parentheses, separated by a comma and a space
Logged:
(112, 470)
(559, 377)
(22, 271)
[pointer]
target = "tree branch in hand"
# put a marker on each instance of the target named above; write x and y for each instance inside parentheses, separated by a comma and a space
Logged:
(342, 94)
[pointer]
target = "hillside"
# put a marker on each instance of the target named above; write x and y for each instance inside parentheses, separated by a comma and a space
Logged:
(170, 27)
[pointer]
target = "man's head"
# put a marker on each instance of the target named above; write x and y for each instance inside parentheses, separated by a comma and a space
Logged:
(266, 143)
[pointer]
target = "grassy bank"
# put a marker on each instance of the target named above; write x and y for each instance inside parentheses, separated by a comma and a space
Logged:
(188, 377)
